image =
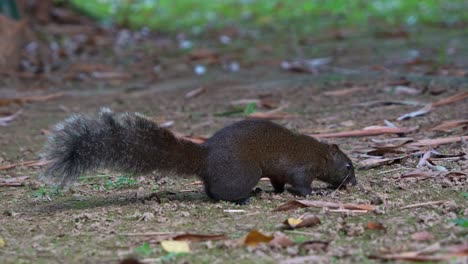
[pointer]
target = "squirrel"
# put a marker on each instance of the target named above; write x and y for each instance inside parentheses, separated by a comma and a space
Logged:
(230, 163)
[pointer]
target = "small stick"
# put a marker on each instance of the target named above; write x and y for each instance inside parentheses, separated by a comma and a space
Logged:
(299, 232)
(347, 211)
(149, 234)
(424, 204)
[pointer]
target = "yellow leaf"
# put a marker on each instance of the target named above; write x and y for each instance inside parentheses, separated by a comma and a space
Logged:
(175, 246)
(294, 222)
(254, 238)
(2, 242)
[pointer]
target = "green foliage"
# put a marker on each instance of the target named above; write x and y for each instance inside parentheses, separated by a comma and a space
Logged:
(172, 256)
(145, 249)
(122, 181)
(169, 15)
(47, 191)
(463, 222)
(300, 239)
(249, 109)
(239, 111)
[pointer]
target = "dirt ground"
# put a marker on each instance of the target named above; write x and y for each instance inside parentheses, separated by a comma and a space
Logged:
(104, 217)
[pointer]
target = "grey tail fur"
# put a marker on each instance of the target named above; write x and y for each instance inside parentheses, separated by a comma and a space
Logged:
(126, 143)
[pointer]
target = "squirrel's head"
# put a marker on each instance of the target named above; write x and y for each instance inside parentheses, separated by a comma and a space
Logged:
(341, 169)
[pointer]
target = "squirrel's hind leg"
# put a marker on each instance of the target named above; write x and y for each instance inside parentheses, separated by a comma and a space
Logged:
(231, 181)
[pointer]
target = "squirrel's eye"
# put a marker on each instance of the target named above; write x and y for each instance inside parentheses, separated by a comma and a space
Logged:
(348, 166)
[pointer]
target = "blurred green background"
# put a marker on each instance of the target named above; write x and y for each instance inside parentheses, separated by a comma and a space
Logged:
(167, 15)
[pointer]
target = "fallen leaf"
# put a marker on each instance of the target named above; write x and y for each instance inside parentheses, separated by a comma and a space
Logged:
(207, 55)
(315, 245)
(408, 256)
(16, 181)
(280, 240)
(111, 75)
(2, 242)
(424, 204)
(30, 163)
(375, 226)
(346, 91)
(367, 132)
(309, 66)
(175, 246)
(5, 121)
(292, 205)
(307, 221)
(89, 68)
(198, 237)
(195, 92)
(254, 238)
(376, 162)
(446, 126)
(389, 102)
(436, 141)
(306, 259)
(402, 90)
(269, 116)
(426, 109)
(419, 174)
(422, 236)
(29, 99)
(451, 99)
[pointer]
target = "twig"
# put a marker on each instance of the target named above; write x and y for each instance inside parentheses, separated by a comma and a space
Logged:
(423, 204)
(299, 232)
(150, 234)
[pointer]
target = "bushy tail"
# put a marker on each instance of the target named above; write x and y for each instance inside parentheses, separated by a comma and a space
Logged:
(123, 142)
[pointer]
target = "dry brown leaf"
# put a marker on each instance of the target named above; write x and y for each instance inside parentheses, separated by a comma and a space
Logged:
(29, 99)
(422, 236)
(17, 181)
(280, 240)
(449, 125)
(195, 92)
(436, 141)
(368, 132)
(89, 68)
(376, 162)
(424, 255)
(451, 99)
(254, 238)
(199, 237)
(307, 221)
(204, 54)
(270, 116)
(30, 163)
(347, 91)
(408, 256)
(292, 205)
(418, 174)
(375, 226)
(315, 245)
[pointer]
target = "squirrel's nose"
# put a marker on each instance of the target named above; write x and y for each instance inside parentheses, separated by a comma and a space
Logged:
(353, 181)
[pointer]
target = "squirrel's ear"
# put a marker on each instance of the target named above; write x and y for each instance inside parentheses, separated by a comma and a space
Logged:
(334, 149)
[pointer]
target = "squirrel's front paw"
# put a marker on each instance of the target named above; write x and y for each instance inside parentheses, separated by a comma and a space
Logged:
(300, 191)
(244, 201)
